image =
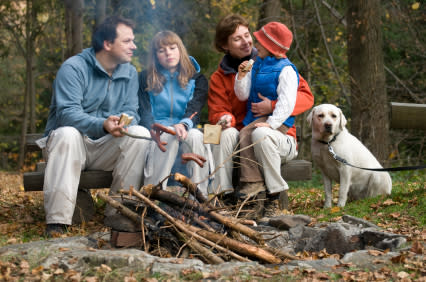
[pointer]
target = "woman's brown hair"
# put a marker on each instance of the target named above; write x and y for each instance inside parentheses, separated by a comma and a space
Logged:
(186, 69)
(226, 27)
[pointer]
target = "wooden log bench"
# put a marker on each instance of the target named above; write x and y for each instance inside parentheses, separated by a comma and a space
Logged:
(293, 170)
(408, 116)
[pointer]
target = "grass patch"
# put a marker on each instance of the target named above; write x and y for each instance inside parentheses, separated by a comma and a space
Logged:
(404, 208)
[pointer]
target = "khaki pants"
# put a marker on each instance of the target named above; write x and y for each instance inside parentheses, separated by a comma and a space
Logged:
(223, 160)
(262, 161)
(69, 152)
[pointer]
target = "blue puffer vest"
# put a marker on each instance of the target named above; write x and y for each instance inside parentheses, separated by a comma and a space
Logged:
(264, 80)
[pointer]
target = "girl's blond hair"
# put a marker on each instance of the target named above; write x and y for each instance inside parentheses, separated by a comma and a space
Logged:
(155, 80)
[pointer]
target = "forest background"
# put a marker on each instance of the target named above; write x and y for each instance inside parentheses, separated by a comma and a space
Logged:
(358, 55)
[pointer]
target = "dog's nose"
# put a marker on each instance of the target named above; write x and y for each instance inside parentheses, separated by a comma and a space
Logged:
(327, 127)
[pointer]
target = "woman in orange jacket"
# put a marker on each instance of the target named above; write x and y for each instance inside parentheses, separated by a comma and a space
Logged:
(233, 38)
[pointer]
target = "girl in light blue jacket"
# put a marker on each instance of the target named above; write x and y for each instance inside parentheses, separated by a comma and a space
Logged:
(172, 92)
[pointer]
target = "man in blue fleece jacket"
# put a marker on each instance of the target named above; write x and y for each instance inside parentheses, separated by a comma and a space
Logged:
(90, 92)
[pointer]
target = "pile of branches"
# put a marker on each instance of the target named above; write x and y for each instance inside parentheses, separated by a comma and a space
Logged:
(198, 224)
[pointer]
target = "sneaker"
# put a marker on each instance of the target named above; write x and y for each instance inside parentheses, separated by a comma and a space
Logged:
(55, 230)
(251, 189)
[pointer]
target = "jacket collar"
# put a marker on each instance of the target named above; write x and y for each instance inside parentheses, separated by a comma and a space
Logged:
(121, 71)
(230, 64)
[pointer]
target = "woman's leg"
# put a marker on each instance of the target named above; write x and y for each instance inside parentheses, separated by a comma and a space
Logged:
(223, 160)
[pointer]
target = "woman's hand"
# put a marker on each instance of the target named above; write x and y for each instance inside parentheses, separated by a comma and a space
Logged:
(181, 131)
(262, 108)
(225, 121)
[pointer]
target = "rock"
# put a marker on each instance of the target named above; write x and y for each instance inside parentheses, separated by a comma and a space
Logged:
(364, 260)
(358, 221)
(382, 240)
(83, 254)
(320, 265)
(336, 238)
(285, 222)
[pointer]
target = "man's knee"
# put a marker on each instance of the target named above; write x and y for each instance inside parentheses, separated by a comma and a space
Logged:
(139, 130)
(66, 135)
(66, 132)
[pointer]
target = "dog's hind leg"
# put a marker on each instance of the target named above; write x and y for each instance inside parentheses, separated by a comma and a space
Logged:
(328, 191)
(380, 183)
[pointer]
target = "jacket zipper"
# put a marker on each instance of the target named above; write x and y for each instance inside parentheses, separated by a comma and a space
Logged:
(171, 98)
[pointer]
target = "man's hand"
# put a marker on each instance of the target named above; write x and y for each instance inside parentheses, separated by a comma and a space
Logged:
(112, 126)
(225, 121)
(181, 131)
(261, 108)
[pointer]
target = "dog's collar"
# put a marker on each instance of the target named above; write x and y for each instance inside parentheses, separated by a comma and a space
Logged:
(331, 141)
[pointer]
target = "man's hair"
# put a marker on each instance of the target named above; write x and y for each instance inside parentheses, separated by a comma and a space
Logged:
(107, 30)
(226, 27)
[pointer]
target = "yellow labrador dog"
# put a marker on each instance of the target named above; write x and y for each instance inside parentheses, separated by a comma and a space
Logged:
(328, 127)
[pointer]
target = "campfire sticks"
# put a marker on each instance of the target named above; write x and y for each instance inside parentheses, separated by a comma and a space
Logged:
(280, 253)
(192, 187)
(235, 245)
(181, 225)
(197, 247)
(227, 221)
(218, 238)
(121, 208)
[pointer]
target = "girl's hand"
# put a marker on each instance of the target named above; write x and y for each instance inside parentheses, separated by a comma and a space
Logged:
(181, 131)
(262, 124)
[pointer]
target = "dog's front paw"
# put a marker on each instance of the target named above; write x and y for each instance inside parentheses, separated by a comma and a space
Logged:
(341, 204)
(327, 204)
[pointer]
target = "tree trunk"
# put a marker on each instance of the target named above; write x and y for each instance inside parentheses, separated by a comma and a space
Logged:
(28, 83)
(100, 12)
(31, 22)
(74, 26)
(270, 11)
(370, 119)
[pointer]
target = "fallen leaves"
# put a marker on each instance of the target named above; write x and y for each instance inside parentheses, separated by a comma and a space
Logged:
(375, 253)
(417, 248)
(335, 209)
(24, 211)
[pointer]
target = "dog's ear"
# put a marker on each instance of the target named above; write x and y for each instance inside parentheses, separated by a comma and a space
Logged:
(310, 117)
(342, 120)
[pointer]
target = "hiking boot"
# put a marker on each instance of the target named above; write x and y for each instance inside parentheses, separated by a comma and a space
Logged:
(55, 230)
(250, 189)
